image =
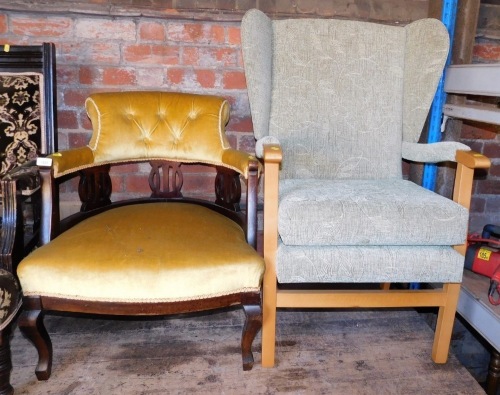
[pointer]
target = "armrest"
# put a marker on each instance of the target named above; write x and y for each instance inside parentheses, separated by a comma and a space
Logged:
(27, 176)
(66, 162)
(239, 161)
(473, 160)
(272, 155)
(432, 153)
(467, 161)
(259, 145)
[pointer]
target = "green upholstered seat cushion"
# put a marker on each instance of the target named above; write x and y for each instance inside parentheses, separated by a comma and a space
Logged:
(368, 264)
(367, 212)
(156, 252)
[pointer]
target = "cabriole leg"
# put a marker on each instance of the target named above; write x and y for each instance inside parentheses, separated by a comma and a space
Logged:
(31, 325)
(253, 323)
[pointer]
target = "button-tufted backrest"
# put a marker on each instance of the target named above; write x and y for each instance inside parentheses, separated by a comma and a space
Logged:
(157, 125)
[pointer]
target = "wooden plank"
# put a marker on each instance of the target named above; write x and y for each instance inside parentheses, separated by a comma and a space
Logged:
(357, 298)
(476, 112)
(475, 307)
(318, 352)
(473, 79)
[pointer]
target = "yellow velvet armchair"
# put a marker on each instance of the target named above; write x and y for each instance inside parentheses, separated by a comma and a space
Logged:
(156, 255)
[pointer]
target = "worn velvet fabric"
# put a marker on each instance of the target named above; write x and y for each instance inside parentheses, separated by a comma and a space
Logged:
(139, 126)
(155, 252)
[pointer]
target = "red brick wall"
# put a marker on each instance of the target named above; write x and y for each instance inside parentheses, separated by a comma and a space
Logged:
(104, 54)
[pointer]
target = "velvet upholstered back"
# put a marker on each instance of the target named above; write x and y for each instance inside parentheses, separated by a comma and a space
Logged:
(154, 125)
(139, 125)
(341, 96)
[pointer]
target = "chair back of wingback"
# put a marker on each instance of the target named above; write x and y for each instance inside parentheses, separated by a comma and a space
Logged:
(157, 125)
(340, 95)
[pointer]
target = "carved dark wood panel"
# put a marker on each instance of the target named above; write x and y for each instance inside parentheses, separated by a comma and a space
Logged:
(165, 179)
(228, 189)
(95, 188)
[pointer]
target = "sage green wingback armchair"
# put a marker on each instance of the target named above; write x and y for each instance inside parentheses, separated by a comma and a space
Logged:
(336, 105)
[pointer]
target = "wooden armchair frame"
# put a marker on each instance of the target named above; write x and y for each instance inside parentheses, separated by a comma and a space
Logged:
(444, 298)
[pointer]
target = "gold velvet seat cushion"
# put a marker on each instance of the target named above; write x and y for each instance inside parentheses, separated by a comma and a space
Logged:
(156, 252)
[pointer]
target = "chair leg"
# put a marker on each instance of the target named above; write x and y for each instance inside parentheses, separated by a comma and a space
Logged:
(269, 324)
(5, 362)
(31, 325)
(253, 323)
(445, 321)
(493, 380)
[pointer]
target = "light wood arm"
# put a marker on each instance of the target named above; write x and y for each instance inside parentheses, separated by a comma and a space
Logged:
(272, 159)
(467, 161)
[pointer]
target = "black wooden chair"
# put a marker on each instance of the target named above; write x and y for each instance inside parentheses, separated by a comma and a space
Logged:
(161, 254)
(28, 128)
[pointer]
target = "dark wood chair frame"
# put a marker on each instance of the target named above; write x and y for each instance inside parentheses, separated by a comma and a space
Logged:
(166, 182)
(22, 186)
(11, 303)
(22, 183)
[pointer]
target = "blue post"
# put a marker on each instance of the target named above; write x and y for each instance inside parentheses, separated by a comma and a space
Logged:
(448, 17)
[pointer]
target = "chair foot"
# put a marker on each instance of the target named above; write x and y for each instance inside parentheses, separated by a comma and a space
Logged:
(445, 321)
(31, 325)
(253, 323)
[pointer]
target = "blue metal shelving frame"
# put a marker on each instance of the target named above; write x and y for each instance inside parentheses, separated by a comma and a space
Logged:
(448, 17)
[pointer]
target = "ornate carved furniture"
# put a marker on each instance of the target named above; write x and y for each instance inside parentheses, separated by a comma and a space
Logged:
(336, 106)
(156, 255)
(28, 129)
(10, 302)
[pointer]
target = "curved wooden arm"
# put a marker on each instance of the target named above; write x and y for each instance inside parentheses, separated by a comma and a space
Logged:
(467, 161)
(50, 205)
(272, 159)
(473, 159)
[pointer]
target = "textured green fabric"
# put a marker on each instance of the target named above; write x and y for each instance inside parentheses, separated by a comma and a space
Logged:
(368, 264)
(341, 96)
(367, 212)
